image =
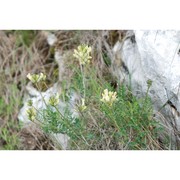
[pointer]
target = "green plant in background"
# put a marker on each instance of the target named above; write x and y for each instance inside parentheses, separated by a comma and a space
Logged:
(11, 141)
(25, 37)
(8, 131)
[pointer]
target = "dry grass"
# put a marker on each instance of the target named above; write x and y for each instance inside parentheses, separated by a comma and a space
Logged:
(16, 60)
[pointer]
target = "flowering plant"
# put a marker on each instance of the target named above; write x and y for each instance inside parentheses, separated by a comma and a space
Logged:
(82, 54)
(54, 100)
(109, 97)
(31, 113)
(35, 78)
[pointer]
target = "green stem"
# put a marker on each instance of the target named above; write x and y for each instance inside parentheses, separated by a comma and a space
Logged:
(41, 94)
(84, 87)
(66, 120)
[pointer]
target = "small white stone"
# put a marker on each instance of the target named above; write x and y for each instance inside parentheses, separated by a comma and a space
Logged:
(51, 39)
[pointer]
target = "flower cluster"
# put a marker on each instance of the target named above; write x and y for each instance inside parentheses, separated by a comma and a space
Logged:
(54, 100)
(35, 78)
(82, 54)
(109, 97)
(31, 113)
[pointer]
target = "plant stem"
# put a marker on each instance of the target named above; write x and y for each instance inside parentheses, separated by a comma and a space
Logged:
(82, 137)
(84, 87)
(41, 94)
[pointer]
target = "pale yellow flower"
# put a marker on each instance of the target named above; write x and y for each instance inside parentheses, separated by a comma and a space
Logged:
(83, 54)
(35, 78)
(42, 77)
(31, 113)
(109, 97)
(54, 100)
(82, 107)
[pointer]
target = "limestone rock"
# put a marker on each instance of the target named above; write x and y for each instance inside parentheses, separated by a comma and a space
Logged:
(153, 55)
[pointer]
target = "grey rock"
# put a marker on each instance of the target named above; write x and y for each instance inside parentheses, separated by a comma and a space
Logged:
(153, 55)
